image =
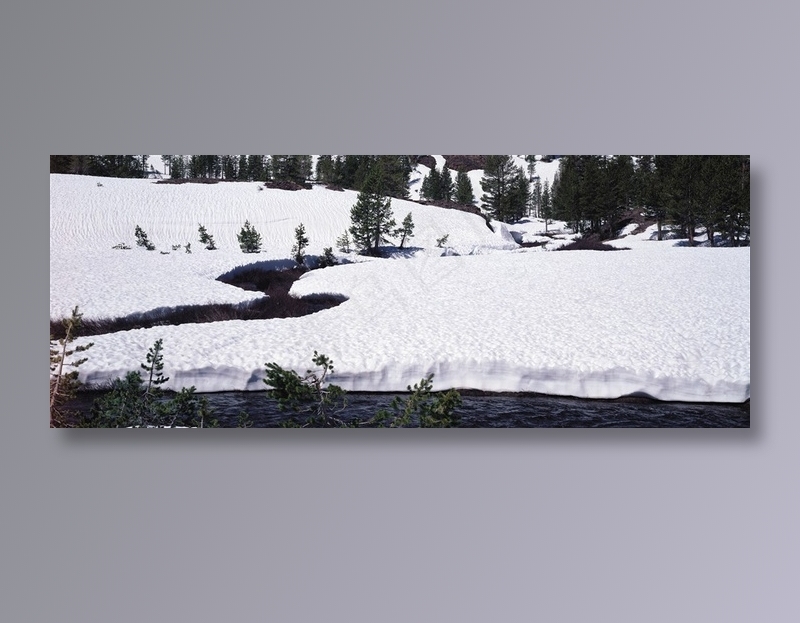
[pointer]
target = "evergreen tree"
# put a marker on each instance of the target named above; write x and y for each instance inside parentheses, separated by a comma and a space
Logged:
(498, 180)
(464, 194)
(142, 240)
(446, 185)
(406, 230)
(206, 239)
(249, 239)
(256, 168)
(431, 189)
(536, 199)
(242, 170)
(325, 169)
(546, 205)
(295, 169)
(300, 244)
(63, 385)
(518, 197)
(229, 167)
(343, 242)
(531, 160)
(371, 216)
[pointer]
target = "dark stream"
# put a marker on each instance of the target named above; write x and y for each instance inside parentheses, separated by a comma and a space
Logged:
(495, 411)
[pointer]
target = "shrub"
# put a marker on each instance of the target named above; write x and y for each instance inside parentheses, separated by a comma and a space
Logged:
(310, 393)
(328, 258)
(142, 240)
(249, 239)
(132, 402)
(421, 408)
(206, 239)
(343, 243)
(121, 245)
(440, 242)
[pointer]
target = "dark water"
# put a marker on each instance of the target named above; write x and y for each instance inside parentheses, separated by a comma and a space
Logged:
(527, 411)
(503, 411)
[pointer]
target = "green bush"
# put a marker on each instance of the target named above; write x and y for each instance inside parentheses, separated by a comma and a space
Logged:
(249, 239)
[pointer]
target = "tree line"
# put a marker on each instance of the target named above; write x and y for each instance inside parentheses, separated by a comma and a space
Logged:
(590, 193)
(689, 192)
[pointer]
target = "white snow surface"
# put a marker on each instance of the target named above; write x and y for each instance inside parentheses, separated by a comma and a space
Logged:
(668, 322)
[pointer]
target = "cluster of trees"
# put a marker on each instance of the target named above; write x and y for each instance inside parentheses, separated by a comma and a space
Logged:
(103, 166)
(440, 187)
(506, 189)
(711, 192)
(250, 168)
(344, 171)
(352, 172)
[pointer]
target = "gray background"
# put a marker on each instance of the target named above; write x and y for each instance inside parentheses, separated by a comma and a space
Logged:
(577, 525)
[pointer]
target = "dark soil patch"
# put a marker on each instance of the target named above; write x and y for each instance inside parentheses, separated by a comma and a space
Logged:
(428, 161)
(589, 243)
(192, 180)
(277, 304)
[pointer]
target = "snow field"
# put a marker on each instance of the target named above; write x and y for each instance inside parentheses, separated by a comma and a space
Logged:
(658, 320)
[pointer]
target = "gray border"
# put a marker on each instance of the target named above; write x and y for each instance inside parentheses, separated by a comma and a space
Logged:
(472, 526)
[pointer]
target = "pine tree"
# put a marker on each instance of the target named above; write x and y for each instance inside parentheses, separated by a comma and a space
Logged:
(142, 240)
(64, 385)
(243, 172)
(497, 183)
(256, 168)
(536, 199)
(343, 242)
(154, 366)
(546, 205)
(464, 194)
(249, 239)
(432, 185)
(446, 185)
(300, 244)
(406, 230)
(325, 170)
(206, 239)
(371, 216)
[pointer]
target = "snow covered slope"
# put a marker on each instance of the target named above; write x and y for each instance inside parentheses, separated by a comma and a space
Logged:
(658, 320)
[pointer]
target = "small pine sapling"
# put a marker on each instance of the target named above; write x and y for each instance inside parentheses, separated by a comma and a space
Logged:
(156, 364)
(328, 258)
(406, 230)
(421, 408)
(249, 239)
(142, 240)
(188, 247)
(63, 385)
(440, 242)
(343, 242)
(206, 239)
(310, 392)
(300, 244)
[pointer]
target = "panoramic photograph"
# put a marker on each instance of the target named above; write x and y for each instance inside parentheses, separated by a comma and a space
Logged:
(388, 291)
